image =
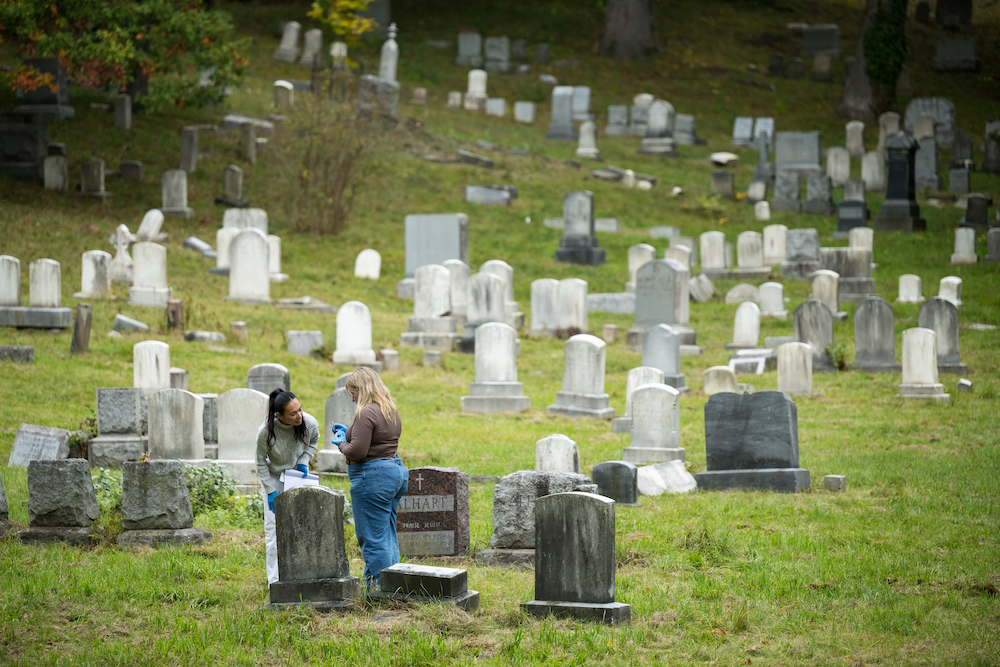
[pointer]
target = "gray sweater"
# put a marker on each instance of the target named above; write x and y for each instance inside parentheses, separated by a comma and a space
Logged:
(285, 452)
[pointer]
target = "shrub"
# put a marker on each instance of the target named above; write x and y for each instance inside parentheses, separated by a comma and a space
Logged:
(209, 487)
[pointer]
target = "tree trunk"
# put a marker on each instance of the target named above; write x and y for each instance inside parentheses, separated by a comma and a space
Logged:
(856, 102)
(629, 29)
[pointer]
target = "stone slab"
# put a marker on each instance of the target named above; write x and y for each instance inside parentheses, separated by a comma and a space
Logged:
(111, 451)
(75, 536)
(36, 318)
(611, 613)
(21, 354)
(787, 480)
(314, 590)
(38, 443)
(468, 601)
(164, 537)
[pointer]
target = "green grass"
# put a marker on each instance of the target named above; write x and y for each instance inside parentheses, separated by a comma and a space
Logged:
(899, 569)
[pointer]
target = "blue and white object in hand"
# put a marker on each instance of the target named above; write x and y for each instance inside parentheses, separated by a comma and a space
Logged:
(301, 467)
(338, 437)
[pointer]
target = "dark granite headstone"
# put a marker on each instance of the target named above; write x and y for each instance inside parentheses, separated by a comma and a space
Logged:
(43, 100)
(900, 211)
(977, 211)
(24, 141)
(961, 152)
(875, 336)
(617, 480)
(579, 242)
(851, 214)
(433, 516)
(954, 14)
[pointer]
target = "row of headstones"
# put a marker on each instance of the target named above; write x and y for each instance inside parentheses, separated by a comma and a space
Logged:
(965, 243)
(156, 509)
(499, 52)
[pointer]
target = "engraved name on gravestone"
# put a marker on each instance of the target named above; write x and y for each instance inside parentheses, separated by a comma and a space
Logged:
(38, 443)
(434, 514)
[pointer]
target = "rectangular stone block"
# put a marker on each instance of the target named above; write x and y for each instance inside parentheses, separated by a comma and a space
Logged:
(408, 578)
(786, 480)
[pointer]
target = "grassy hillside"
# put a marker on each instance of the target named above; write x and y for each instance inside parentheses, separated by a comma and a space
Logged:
(900, 569)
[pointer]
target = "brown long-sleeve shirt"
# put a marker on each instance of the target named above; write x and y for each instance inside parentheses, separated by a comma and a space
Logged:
(370, 436)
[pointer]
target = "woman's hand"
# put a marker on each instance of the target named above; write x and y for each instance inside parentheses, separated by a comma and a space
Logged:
(301, 467)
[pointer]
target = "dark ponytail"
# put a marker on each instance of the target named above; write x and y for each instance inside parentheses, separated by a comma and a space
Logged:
(277, 402)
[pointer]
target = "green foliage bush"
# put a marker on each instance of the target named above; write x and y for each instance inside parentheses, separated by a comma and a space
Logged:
(209, 487)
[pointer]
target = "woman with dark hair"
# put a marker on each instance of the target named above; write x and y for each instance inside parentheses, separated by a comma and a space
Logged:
(286, 441)
(378, 477)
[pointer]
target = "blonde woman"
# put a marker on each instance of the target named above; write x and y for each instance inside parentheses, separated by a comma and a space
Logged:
(378, 477)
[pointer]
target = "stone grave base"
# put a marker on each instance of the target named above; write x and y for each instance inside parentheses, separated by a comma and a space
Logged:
(185, 212)
(331, 460)
(644, 455)
(791, 205)
(610, 612)
(961, 258)
(522, 559)
(933, 392)
(799, 270)
(231, 203)
(55, 534)
(899, 216)
(633, 339)
(21, 354)
(211, 451)
(156, 297)
(762, 273)
(165, 537)
(855, 289)
(879, 368)
(953, 369)
(469, 600)
(676, 381)
(776, 314)
(406, 288)
(788, 480)
(574, 405)
(327, 590)
(110, 451)
(662, 147)
(36, 318)
(429, 340)
(585, 255)
(322, 607)
(621, 425)
(495, 397)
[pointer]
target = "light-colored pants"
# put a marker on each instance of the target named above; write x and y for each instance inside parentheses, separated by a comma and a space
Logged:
(270, 536)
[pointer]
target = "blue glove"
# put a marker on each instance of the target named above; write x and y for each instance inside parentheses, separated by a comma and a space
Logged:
(301, 467)
(270, 500)
(340, 427)
(338, 438)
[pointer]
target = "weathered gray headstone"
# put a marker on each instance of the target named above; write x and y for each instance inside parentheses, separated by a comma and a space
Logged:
(617, 480)
(62, 504)
(875, 336)
(38, 443)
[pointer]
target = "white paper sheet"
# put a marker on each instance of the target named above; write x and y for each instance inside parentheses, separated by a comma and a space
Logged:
(294, 478)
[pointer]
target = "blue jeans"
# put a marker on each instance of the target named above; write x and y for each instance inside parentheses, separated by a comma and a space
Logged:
(376, 487)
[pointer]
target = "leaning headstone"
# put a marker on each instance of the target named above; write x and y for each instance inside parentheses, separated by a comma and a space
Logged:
(575, 561)
(582, 393)
(561, 124)
(813, 321)
(752, 442)
(38, 443)
(795, 369)
(434, 513)
(633, 379)
(557, 453)
(875, 336)
(655, 433)
(156, 509)
(288, 50)
(496, 388)
(313, 569)
(617, 480)
(62, 503)
(920, 366)
(941, 316)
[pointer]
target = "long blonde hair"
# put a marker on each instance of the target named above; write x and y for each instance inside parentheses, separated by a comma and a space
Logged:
(370, 390)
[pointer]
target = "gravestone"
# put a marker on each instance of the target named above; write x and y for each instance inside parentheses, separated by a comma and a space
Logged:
(578, 244)
(617, 121)
(38, 443)
(495, 389)
(910, 289)
(24, 145)
(434, 513)
(977, 211)
(819, 195)
(92, 179)
(635, 377)
(723, 183)
(776, 64)
(950, 289)
(655, 433)
(514, 498)
(658, 139)
(772, 301)
(713, 259)
(850, 215)
(232, 188)
(757, 192)
(926, 165)
(956, 55)
(368, 264)
(751, 442)
(267, 377)
(853, 266)
(302, 343)
(686, 130)
(174, 189)
(151, 366)
(288, 50)
(377, 95)
(746, 327)
(825, 287)
(923, 126)
(873, 171)
(763, 170)
(427, 584)
(354, 335)
(581, 103)
(149, 281)
(750, 256)
(875, 336)
(340, 408)
(470, 49)
(787, 192)
(42, 102)
(638, 255)
(249, 260)
(993, 245)
(542, 54)
(821, 69)
(961, 152)
(838, 165)
(431, 325)
(798, 152)
(56, 173)
(95, 282)
(959, 181)
(965, 246)
(775, 240)
(823, 38)
(920, 366)
(617, 480)
(495, 106)
(486, 299)
(561, 124)
(240, 414)
(575, 561)
(743, 292)
(62, 503)
(313, 569)
(156, 509)
(900, 211)
(795, 369)
(557, 453)
(519, 51)
(524, 112)
(813, 321)
(582, 393)
(718, 379)
(434, 238)
(661, 349)
(943, 111)
(764, 126)
(662, 296)
(855, 138)
(941, 316)
(587, 148)
(176, 425)
(312, 52)
(189, 154)
(742, 131)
